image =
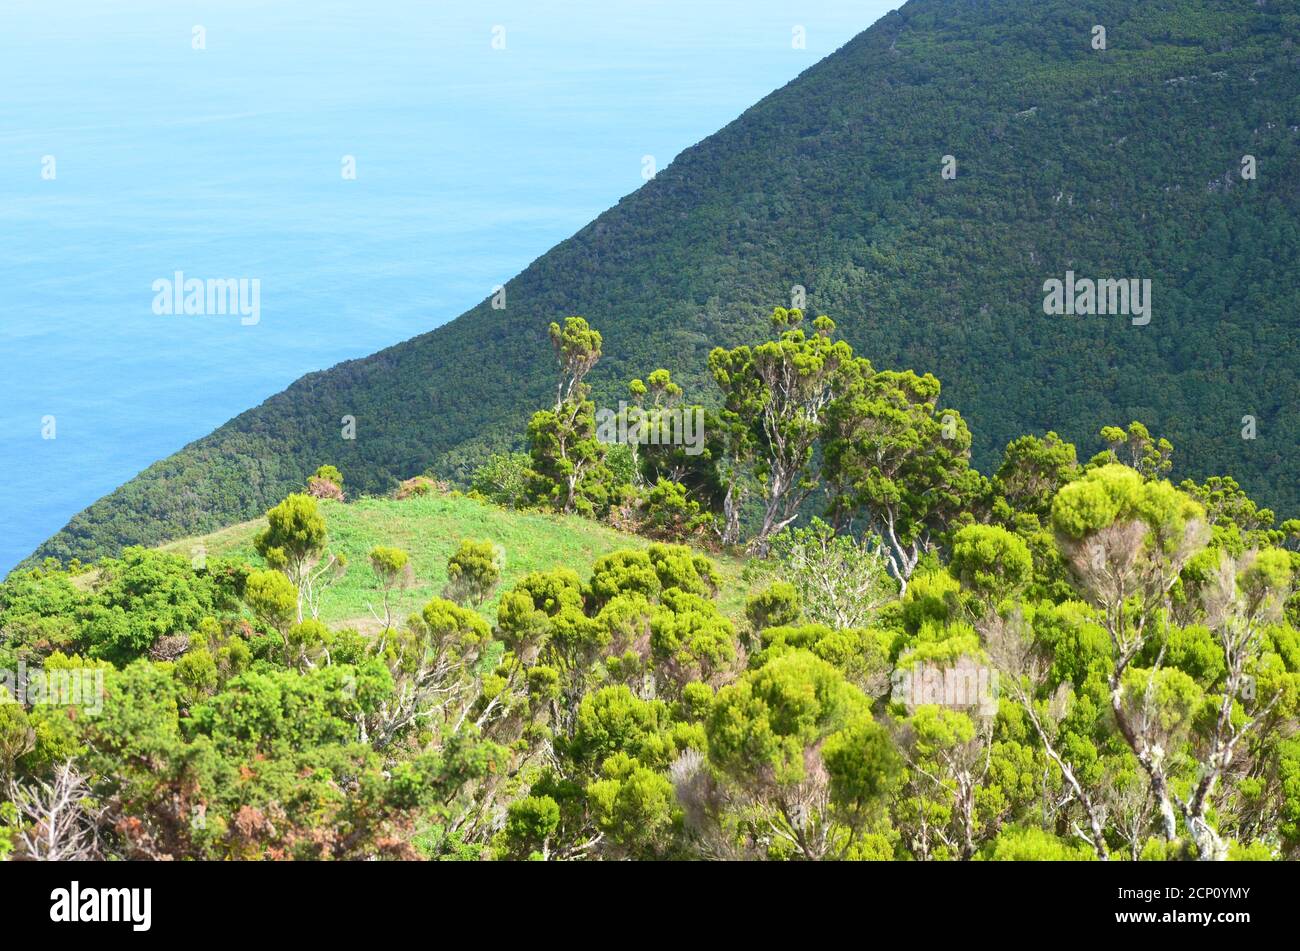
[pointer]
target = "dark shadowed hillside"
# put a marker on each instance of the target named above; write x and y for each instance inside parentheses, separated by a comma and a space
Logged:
(1122, 163)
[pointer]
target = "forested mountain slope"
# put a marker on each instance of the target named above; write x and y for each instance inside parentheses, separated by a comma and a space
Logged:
(1116, 163)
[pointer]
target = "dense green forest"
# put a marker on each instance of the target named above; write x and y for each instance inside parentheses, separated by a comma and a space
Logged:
(1067, 659)
(1124, 162)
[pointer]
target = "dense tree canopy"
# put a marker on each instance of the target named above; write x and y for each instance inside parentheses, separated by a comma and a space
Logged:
(1062, 661)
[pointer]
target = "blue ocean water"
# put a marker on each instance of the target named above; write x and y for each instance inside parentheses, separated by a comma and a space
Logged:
(226, 161)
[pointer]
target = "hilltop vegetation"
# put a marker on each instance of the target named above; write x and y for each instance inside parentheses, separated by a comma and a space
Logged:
(1115, 163)
(1066, 660)
(429, 527)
